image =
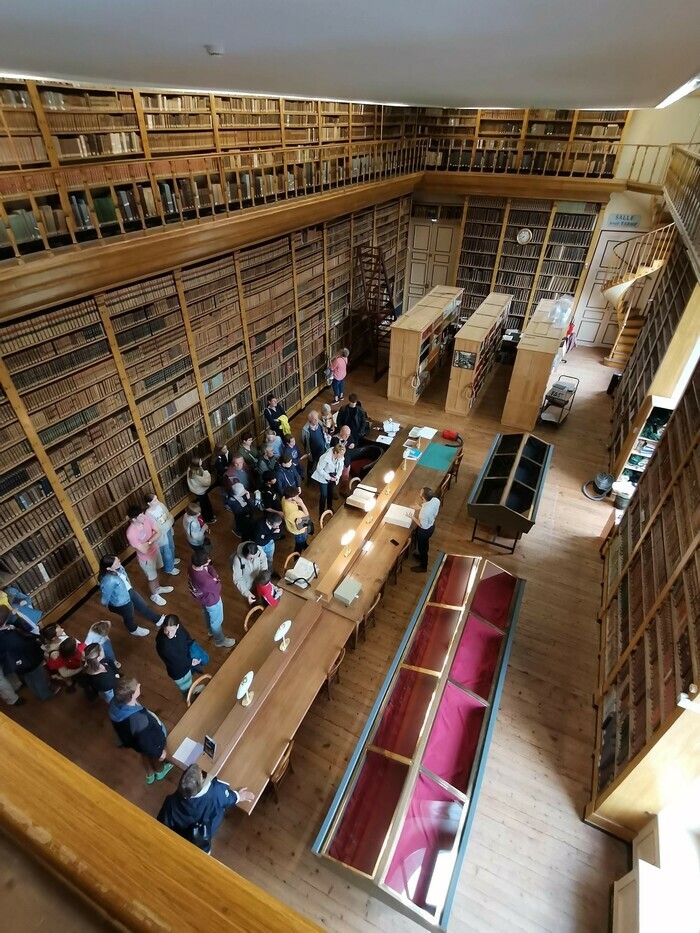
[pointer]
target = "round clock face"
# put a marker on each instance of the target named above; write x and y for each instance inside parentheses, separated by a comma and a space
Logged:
(524, 236)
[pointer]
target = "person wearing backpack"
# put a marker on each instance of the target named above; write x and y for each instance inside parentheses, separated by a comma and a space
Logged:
(139, 728)
(197, 808)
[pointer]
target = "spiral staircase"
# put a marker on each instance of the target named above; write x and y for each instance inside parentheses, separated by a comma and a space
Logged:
(635, 260)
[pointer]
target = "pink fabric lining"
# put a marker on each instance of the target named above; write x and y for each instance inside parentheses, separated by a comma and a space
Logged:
(433, 637)
(360, 834)
(404, 713)
(451, 585)
(476, 657)
(429, 829)
(454, 737)
(493, 596)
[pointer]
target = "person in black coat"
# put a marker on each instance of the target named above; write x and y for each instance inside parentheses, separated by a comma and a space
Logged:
(174, 646)
(273, 410)
(140, 729)
(21, 654)
(196, 810)
(355, 417)
(100, 675)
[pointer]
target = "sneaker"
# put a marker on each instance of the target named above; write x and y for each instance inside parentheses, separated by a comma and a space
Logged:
(341, 398)
(177, 560)
(226, 643)
(336, 401)
(160, 621)
(158, 600)
(173, 573)
(141, 632)
(164, 772)
(164, 589)
(18, 702)
(150, 778)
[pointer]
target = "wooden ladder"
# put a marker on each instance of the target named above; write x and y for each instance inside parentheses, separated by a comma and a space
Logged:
(375, 303)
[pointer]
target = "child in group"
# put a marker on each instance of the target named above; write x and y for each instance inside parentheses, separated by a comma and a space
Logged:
(98, 634)
(100, 675)
(272, 439)
(51, 637)
(67, 662)
(328, 419)
(290, 447)
(265, 589)
(195, 527)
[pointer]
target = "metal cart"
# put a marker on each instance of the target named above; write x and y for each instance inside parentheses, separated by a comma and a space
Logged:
(559, 400)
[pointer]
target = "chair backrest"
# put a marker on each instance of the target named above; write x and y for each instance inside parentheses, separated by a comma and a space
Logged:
(444, 486)
(327, 514)
(294, 556)
(282, 766)
(370, 611)
(250, 616)
(355, 481)
(197, 686)
(335, 667)
(404, 550)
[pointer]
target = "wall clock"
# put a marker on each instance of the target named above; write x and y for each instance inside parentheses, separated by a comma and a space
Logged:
(524, 236)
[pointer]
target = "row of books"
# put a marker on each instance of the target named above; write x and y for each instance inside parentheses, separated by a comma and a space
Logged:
(154, 408)
(240, 388)
(217, 272)
(229, 361)
(157, 121)
(140, 295)
(248, 104)
(19, 123)
(164, 141)
(110, 528)
(104, 435)
(574, 221)
(159, 314)
(44, 540)
(168, 102)
(30, 481)
(93, 458)
(18, 526)
(96, 478)
(97, 144)
(137, 340)
(112, 493)
(110, 389)
(176, 427)
(58, 430)
(61, 365)
(91, 123)
(510, 264)
(25, 150)
(160, 369)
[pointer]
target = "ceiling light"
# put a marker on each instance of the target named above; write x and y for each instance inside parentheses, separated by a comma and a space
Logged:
(682, 91)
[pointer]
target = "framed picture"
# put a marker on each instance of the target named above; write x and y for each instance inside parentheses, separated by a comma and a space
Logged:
(464, 359)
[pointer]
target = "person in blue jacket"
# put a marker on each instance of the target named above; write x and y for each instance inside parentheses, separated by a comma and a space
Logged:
(118, 594)
(196, 810)
(140, 729)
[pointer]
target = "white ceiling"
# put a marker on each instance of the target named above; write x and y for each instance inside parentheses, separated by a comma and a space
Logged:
(493, 53)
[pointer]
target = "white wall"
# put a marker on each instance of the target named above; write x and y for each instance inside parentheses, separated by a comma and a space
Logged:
(652, 130)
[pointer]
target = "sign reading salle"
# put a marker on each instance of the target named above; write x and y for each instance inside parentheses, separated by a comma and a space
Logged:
(623, 221)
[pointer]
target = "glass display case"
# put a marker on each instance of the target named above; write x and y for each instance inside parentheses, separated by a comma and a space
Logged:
(400, 820)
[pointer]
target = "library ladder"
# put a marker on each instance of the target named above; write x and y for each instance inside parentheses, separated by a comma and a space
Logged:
(376, 303)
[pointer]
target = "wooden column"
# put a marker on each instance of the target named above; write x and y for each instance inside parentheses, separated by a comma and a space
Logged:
(536, 277)
(193, 354)
(259, 425)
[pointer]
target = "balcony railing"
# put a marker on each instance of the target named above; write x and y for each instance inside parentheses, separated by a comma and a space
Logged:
(682, 190)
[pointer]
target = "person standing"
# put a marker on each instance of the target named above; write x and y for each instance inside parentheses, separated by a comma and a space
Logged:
(174, 646)
(290, 447)
(249, 451)
(196, 810)
(286, 474)
(140, 729)
(219, 461)
(270, 502)
(327, 474)
(143, 536)
(339, 370)
(328, 419)
(243, 509)
(265, 533)
(237, 472)
(120, 597)
(195, 527)
(274, 410)
(100, 675)
(424, 519)
(355, 417)
(246, 563)
(164, 521)
(199, 483)
(274, 440)
(296, 518)
(267, 461)
(21, 656)
(205, 586)
(315, 440)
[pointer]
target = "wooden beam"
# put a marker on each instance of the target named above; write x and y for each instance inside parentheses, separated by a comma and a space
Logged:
(193, 354)
(521, 186)
(65, 276)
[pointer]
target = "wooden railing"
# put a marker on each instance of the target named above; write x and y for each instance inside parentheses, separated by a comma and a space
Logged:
(682, 190)
(640, 255)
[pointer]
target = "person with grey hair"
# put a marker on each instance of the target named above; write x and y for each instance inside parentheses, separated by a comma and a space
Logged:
(315, 440)
(197, 808)
(424, 518)
(339, 368)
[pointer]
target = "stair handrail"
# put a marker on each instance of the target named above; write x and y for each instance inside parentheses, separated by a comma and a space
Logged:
(642, 250)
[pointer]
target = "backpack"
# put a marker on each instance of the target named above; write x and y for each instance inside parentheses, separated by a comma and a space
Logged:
(200, 835)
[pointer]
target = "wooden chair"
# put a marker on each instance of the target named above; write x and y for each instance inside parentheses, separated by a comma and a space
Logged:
(327, 514)
(398, 563)
(295, 555)
(334, 672)
(366, 620)
(281, 769)
(251, 616)
(444, 486)
(355, 481)
(197, 687)
(454, 471)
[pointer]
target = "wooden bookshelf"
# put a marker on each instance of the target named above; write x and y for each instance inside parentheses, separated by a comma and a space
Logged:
(650, 629)
(518, 264)
(479, 249)
(417, 342)
(475, 348)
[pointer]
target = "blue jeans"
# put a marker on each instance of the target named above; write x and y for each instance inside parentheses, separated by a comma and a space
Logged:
(269, 552)
(338, 387)
(214, 620)
(167, 552)
(137, 603)
(38, 682)
(325, 500)
(300, 540)
(108, 649)
(184, 683)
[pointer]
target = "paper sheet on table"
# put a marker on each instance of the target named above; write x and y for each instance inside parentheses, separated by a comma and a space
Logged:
(188, 752)
(384, 439)
(391, 427)
(427, 433)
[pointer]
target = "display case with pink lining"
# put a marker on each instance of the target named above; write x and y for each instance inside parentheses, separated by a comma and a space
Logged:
(401, 817)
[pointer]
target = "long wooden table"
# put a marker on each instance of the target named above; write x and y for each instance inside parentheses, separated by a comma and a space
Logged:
(250, 740)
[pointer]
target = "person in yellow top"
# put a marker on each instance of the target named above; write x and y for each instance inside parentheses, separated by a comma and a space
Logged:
(296, 517)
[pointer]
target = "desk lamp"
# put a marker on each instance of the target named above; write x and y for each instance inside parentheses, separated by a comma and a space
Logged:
(244, 694)
(280, 634)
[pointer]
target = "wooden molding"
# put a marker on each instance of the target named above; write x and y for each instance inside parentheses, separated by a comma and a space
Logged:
(193, 354)
(521, 186)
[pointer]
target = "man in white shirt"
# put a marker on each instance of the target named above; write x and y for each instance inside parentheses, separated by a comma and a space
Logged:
(425, 518)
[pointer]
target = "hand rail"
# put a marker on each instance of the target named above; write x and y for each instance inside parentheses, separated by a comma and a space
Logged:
(682, 191)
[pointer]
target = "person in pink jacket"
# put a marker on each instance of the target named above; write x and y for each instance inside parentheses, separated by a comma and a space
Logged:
(339, 369)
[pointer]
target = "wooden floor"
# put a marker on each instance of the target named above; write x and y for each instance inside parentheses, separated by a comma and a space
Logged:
(531, 864)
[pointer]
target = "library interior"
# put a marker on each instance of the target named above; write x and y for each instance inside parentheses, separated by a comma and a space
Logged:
(353, 434)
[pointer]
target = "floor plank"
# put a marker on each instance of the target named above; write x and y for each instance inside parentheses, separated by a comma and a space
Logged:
(531, 864)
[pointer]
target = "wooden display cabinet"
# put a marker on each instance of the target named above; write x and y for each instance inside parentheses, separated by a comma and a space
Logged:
(536, 357)
(507, 492)
(417, 339)
(400, 820)
(476, 346)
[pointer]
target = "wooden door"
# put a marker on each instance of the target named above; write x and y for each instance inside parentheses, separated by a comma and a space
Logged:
(432, 257)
